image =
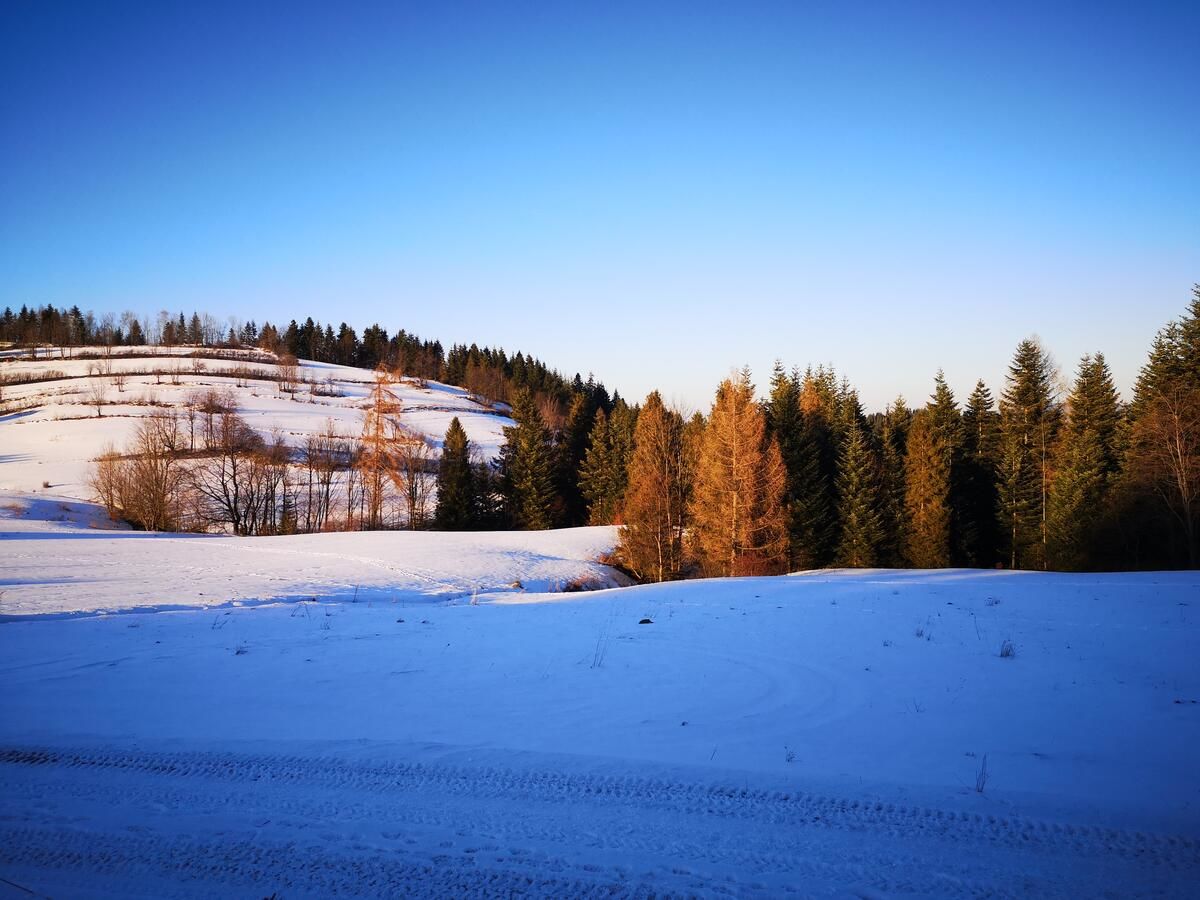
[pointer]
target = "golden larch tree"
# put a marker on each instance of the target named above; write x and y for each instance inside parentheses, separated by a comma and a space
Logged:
(738, 514)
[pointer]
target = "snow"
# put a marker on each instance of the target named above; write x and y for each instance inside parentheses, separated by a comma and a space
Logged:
(97, 567)
(431, 715)
(52, 434)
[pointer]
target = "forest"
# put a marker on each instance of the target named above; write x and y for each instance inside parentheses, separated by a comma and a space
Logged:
(1053, 471)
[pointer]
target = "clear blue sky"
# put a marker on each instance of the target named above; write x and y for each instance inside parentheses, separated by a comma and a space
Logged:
(655, 192)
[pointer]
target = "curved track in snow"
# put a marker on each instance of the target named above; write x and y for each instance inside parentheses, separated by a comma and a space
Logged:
(102, 821)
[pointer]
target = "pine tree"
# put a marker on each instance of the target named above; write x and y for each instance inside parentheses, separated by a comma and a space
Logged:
(659, 483)
(526, 466)
(785, 422)
(604, 474)
(927, 493)
(894, 429)
(1028, 427)
(740, 522)
(570, 453)
(818, 513)
(858, 500)
(979, 535)
(946, 420)
(1086, 465)
(457, 489)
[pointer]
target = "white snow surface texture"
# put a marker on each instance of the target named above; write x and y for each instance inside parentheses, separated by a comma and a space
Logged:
(429, 715)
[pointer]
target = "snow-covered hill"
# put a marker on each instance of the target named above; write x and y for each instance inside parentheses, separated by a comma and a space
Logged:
(50, 430)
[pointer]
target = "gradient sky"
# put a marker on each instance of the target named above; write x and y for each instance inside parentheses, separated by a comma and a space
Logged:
(654, 192)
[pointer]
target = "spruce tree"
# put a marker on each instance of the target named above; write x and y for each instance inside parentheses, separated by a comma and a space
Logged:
(738, 515)
(526, 466)
(1160, 485)
(785, 423)
(457, 490)
(1028, 429)
(659, 481)
(570, 453)
(816, 513)
(946, 421)
(927, 493)
(1086, 465)
(979, 535)
(894, 430)
(604, 474)
(858, 500)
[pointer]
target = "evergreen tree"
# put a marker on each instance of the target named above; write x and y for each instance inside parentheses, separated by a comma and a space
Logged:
(894, 430)
(604, 475)
(1160, 485)
(785, 422)
(1086, 465)
(1028, 428)
(815, 516)
(927, 493)
(457, 491)
(858, 500)
(526, 466)
(739, 520)
(979, 535)
(659, 483)
(946, 420)
(570, 453)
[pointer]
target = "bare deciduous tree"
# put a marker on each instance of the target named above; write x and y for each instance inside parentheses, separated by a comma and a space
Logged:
(145, 486)
(414, 460)
(97, 390)
(289, 368)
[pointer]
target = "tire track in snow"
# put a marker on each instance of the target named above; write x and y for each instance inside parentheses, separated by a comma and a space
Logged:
(791, 830)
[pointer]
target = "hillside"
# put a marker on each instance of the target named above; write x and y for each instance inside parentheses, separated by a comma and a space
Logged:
(50, 429)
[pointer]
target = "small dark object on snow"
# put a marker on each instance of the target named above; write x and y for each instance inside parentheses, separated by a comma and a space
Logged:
(399, 620)
(646, 622)
(684, 722)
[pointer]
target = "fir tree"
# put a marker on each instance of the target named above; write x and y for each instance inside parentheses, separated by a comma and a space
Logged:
(604, 474)
(858, 500)
(1086, 465)
(570, 453)
(1160, 490)
(946, 421)
(927, 493)
(659, 483)
(785, 423)
(457, 490)
(526, 466)
(979, 536)
(737, 510)
(1028, 428)
(894, 430)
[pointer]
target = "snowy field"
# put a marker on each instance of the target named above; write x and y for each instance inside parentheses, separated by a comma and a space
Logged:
(433, 715)
(51, 431)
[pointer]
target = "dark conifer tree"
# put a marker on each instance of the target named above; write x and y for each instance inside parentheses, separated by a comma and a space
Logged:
(979, 536)
(1029, 418)
(604, 475)
(526, 466)
(457, 489)
(858, 499)
(894, 427)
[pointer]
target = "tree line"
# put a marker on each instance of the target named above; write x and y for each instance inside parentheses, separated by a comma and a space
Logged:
(490, 374)
(1038, 478)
